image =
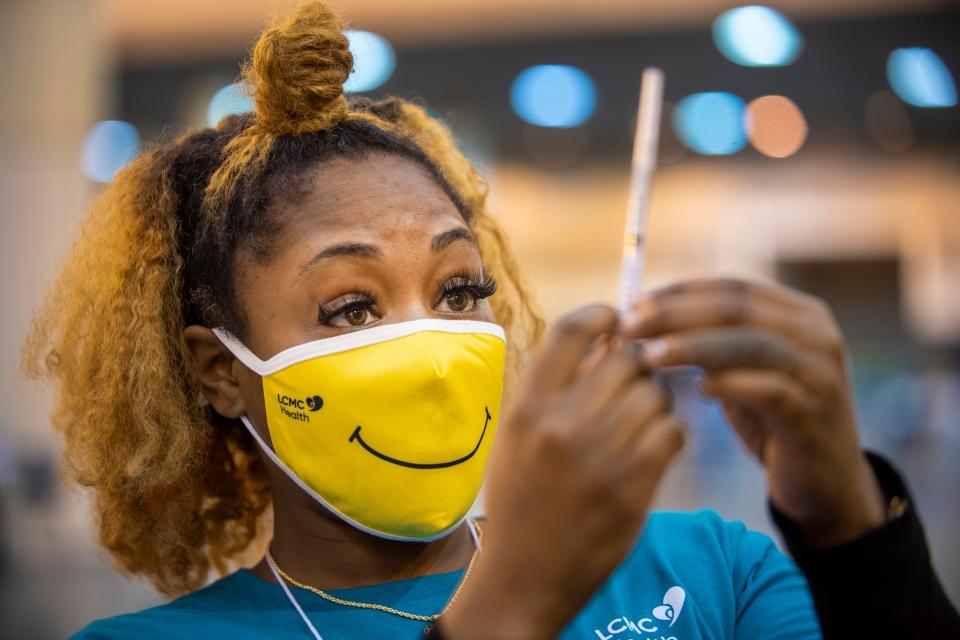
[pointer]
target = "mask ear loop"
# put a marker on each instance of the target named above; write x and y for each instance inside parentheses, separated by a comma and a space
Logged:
(239, 350)
(472, 526)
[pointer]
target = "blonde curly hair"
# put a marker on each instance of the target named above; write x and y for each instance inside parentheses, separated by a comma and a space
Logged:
(179, 490)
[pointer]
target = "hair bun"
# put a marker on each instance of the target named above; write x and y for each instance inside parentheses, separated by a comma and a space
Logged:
(298, 70)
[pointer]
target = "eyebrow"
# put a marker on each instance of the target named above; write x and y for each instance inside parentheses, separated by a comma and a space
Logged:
(355, 249)
(446, 238)
(438, 243)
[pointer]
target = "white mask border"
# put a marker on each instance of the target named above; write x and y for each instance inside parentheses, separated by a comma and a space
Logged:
(348, 341)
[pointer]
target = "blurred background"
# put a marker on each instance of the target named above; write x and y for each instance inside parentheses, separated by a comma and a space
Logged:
(811, 141)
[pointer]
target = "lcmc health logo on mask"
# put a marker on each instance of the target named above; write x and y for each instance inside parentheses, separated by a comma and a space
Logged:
(296, 409)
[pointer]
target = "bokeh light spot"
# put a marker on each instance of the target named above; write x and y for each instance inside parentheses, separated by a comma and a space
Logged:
(553, 95)
(919, 77)
(776, 126)
(373, 61)
(757, 36)
(109, 146)
(228, 100)
(711, 123)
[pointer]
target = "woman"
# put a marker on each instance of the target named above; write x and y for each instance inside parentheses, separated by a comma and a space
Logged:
(293, 314)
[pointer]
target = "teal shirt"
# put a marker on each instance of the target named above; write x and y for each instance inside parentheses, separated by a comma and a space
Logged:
(691, 576)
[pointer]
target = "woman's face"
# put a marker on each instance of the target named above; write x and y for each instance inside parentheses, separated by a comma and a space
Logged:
(375, 241)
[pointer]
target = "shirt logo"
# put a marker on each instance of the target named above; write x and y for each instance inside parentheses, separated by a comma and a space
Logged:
(672, 604)
(668, 611)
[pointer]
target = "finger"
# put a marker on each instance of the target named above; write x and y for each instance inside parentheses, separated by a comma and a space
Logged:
(720, 349)
(771, 292)
(592, 393)
(660, 442)
(567, 343)
(772, 392)
(725, 349)
(654, 317)
(597, 353)
(630, 413)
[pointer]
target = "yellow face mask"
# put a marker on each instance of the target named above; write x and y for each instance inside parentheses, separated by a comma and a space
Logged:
(388, 427)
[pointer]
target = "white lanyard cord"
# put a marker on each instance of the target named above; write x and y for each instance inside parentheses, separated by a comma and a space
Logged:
(296, 605)
(293, 600)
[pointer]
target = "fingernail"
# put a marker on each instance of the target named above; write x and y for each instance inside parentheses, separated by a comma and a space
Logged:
(655, 351)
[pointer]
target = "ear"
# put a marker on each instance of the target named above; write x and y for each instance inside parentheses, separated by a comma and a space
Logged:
(213, 365)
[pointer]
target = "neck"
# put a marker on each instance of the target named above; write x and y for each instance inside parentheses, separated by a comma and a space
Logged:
(316, 547)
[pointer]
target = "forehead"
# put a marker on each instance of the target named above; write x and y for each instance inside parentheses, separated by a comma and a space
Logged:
(376, 198)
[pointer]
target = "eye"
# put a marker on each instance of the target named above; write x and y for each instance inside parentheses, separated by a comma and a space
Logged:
(459, 300)
(356, 316)
(352, 311)
(461, 293)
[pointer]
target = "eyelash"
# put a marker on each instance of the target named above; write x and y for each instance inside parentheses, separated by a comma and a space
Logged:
(457, 282)
(464, 282)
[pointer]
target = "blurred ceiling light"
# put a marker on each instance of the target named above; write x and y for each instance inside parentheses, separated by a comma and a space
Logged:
(373, 61)
(775, 125)
(109, 146)
(228, 100)
(888, 123)
(553, 95)
(757, 36)
(919, 77)
(711, 123)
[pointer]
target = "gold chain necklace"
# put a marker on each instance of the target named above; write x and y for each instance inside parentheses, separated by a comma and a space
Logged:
(380, 607)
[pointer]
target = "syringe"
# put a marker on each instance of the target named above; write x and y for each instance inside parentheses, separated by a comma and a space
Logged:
(642, 167)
